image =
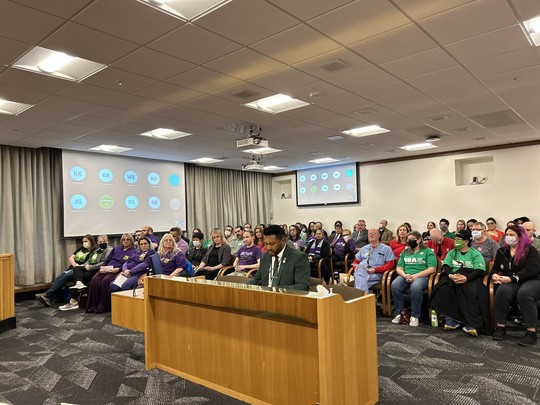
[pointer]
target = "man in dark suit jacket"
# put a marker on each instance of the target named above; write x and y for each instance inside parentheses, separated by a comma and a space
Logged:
(281, 266)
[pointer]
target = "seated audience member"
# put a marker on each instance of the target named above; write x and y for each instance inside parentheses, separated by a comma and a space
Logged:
(249, 255)
(486, 246)
(444, 226)
(461, 295)
(281, 265)
(149, 232)
(217, 257)
(342, 247)
(470, 223)
(311, 230)
(137, 265)
(316, 249)
(319, 225)
(426, 235)
(78, 258)
(303, 233)
(460, 225)
(237, 240)
(336, 233)
(372, 261)
(399, 244)
(137, 235)
(415, 264)
(440, 244)
(360, 234)
(197, 251)
(517, 275)
(229, 233)
(409, 227)
(386, 234)
(173, 261)
(492, 230)
(99, 294)
(82, 275)
(258, 237)
(247, 226)
(530, 230)
(521, 220)
(295, 238)
(181, 243)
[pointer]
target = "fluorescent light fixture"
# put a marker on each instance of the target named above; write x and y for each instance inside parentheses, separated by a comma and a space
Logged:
(273, 168)
(57, 64)
(532, 27)
(206, 160)
(186, 10)
(323, 160)
(164, 133)
(12, 107)
(418, 146)
(110, 148)
(276, 104)
(334, 138)
(261, 151)
(366, 131)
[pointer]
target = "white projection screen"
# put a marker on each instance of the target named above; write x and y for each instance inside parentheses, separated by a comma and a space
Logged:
(115, 194)
(327, 185)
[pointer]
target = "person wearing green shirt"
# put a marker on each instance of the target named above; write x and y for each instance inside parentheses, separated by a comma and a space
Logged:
(414, 266)
(461, 295)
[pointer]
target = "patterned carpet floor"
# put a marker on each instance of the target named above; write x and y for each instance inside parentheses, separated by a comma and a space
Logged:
(56, 357)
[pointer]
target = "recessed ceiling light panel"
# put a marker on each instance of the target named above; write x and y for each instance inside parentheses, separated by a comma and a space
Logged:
(532, 27)
(186, 10)
(323, 160)
(418, 146)
(206, 160)
(366, 131)
(12, 107)
(164, 133)
(110, 148)
(261, 151)
(276, 104)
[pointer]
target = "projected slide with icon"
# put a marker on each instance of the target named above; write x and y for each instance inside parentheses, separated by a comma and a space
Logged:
(327, 185)
(115, 194)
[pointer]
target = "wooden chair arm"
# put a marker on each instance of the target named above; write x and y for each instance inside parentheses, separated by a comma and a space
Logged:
(225, 270)
(250, 273)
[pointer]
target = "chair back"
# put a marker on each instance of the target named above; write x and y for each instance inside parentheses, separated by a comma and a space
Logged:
(156, 264)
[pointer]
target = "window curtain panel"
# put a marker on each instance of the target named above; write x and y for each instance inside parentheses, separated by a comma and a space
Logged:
(31, 206)
(219, 197)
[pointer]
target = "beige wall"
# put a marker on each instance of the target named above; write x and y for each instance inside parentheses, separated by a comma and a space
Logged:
(424, 190)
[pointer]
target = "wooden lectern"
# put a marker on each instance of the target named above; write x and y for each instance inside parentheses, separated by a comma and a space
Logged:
(7, 293)
(263, 346)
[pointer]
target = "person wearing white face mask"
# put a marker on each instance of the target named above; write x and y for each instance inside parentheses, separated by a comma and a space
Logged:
(486, 246)
(196, 252)
(78, 258)
(516, 272)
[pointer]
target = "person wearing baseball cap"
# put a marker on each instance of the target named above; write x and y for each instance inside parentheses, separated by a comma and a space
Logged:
(461, 295)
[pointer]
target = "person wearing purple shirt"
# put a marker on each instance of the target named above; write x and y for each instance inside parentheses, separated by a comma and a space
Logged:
(149, 233)
(181, 243)
(173, 261)
(249, 255)
(136, 266)
(99, 294)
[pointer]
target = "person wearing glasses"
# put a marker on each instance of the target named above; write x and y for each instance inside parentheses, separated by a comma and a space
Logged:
(461, 295)
(414, 266)
(343, 245)
(99, 293)
(135, 267)
(372, 261)
(492, 230)
(173, 261)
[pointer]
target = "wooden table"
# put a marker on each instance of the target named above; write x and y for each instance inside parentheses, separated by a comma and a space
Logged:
(7, 292)
(264, 347)
(128, 310)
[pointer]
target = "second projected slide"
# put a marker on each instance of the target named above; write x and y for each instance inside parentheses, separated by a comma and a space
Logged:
(113, 194)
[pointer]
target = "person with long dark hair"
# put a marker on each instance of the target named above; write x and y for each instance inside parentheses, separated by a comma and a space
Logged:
(516, 272)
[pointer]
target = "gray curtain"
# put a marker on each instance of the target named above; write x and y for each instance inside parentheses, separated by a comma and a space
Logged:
(31, 207)
(218, 197)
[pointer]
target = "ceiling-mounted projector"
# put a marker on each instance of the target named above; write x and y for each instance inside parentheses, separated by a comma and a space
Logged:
(253, 166)
(252, 141)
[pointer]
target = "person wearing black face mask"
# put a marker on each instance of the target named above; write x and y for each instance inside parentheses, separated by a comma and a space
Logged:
(414, 266)
(83, 274)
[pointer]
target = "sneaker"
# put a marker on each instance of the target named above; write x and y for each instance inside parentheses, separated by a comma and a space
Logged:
(69, 306)
(396, 319)
(44, 300)
(470, 330)
(413, 321)
(529, 339)
(78, 286)
(450, 325)
(499, 333)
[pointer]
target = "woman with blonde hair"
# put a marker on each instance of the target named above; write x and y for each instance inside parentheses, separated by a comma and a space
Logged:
(217, 256)
(173, 261)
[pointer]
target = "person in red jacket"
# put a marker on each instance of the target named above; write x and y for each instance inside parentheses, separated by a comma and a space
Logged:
(439, 243)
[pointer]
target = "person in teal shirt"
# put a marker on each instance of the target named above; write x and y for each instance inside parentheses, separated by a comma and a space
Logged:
(414, 266)
(461, 295)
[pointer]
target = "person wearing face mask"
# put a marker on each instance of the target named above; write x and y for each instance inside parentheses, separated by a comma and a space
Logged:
(197, 251)
(414, 266)
(78, 258)
(444, 226)
(461, 295)
(228, 233)
(486, 246)
(82, 275)
(386, 234)
(516, 274)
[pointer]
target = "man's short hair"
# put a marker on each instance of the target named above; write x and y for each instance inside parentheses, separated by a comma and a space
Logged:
(252, 233)
(447, 222)
(175, 229)
(276, 230)
(197, 235)
(238, 227)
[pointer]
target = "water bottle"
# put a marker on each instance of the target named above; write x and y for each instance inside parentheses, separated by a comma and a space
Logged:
(336, 277)
(434, 318)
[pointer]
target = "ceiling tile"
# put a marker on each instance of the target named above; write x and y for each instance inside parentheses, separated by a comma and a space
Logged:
(333, 64)
(317, 92)
(505, 62)
(247, 21)
(21, 95)
(203, 80)
(397, 96)
(359, 20)
(115, 113)
(12, 50)
(87, 92)
(60, 8)
(145, 23)
(195, 44)
(208, 104)
(420, 64)
(244, 64)
(178, 112)
(527, 9)
(283, 80)
(419, 9)
(33, 81)
(70, 105)
(169, 93)
(120, 80)
(139, 104)
(316, 7)
(363, 79)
